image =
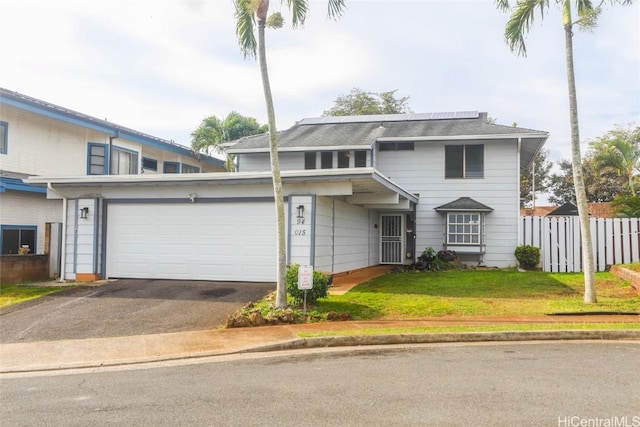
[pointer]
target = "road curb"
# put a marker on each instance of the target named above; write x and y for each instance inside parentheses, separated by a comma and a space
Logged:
(362, 340)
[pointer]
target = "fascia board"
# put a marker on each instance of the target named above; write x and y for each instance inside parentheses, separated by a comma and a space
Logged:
(300, 149)
(465, 137)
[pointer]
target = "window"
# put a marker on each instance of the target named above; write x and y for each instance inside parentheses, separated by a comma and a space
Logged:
(149, 164)
(464, 161)
(184, 168)
(396, 146)
(123, 162)
(343, 159)
(97, 159)
(360, 160)
(171, 167)
(464, 229)
(310, 160)
(4, 137)
(15, 237)
(326, 160)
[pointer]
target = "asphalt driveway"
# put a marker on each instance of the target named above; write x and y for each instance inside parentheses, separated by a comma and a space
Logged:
(127, 307)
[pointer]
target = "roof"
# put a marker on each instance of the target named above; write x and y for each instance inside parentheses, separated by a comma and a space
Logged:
(361, 132)
(14, 181)
(57, 112)
(596, 210)
(367, 187)
(464, 204)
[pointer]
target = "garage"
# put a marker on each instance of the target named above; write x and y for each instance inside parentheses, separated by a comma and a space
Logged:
(231, 241)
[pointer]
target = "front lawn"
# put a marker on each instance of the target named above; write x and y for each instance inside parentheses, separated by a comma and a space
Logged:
(15, 294)
(412, 295)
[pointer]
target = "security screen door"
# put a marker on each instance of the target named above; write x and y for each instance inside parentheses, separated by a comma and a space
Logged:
(391, 239)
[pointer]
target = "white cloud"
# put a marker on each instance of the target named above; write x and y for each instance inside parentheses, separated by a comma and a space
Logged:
(160, 67)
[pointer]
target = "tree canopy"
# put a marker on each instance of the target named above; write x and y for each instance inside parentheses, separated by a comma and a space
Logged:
(358, 102)
(540, 172)
(213, 132)
(618, 153)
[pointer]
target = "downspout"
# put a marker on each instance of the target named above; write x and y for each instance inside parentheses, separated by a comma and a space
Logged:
(518, 192)
(111, 138)
(63, 258)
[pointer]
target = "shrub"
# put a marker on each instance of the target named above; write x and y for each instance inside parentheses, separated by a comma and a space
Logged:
(321, 282)
(528, 256)
(430, 260)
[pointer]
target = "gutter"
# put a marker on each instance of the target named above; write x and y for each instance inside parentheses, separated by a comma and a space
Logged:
(63, 258)
(111, 138)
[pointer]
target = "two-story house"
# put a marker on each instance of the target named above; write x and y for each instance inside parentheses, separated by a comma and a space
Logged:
(38, 138)
(360, 191)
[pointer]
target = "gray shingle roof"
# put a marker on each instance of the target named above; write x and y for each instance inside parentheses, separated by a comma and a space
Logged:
(464, 204)
(354, 131)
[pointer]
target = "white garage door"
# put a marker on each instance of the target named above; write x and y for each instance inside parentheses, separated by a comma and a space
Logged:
(195, 241)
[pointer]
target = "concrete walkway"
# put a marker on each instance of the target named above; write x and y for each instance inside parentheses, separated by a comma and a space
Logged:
(97, 352)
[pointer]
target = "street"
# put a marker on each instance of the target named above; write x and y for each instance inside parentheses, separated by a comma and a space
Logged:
(536, 384)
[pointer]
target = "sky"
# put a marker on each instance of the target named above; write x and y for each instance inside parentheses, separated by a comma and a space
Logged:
(162, 66)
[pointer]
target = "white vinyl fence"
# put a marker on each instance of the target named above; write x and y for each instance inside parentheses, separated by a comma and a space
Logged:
(615, 241)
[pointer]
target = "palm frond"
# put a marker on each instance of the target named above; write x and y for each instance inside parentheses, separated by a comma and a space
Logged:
(335, 8)
(299, 9)
(520, 23)
(245, 27)
(503, 5)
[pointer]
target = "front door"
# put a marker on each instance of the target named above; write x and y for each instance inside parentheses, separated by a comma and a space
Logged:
(391, 239)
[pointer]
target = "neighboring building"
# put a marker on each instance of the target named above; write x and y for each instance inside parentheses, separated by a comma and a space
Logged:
(38, 138)
(596, 210)
(360, 191)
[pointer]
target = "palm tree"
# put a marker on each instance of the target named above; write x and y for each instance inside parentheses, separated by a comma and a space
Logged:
(247, 14)
(619, 152)
(519, 24)
(214, 132)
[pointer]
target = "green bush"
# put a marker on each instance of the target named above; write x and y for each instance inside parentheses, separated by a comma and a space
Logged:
(528, 256)
(321, 282)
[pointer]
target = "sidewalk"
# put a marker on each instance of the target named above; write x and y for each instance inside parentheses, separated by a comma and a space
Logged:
(98, 352)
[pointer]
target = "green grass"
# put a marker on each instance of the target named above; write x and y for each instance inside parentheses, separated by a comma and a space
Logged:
(476, 328)
(412, 295)
(15, 294)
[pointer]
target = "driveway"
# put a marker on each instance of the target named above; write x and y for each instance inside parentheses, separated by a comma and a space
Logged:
(127, 307)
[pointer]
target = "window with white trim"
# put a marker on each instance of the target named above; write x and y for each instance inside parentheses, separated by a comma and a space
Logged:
(310, 160)
(464, 161)
(465, 228)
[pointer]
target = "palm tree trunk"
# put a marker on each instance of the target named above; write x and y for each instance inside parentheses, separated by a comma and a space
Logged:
(281, 288)
(588, 265)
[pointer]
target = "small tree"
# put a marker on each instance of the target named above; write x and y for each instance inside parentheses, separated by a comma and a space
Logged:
(359, 102)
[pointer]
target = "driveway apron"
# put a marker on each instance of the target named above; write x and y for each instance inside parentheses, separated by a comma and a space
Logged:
(127, 307)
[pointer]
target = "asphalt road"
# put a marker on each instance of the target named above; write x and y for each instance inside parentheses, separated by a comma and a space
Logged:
(562, 384)
(127, 307)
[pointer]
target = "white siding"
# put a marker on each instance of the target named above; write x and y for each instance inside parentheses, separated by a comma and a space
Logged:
(260, 162)
(20, 208)
(422, 171)
(42, 146)
(69, 271)
(86, 238)
(345, 236)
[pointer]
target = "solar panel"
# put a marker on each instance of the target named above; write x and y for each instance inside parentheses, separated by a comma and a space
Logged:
(451, 115)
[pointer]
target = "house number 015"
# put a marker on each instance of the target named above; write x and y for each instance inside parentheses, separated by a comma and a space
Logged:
(300, 232)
